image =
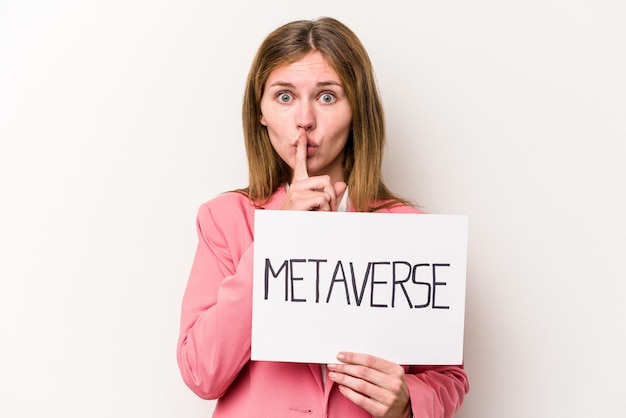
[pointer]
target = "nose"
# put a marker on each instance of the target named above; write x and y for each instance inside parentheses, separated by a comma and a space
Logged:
(305, 117)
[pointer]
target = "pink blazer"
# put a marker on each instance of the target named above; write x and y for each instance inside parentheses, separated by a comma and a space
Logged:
(214, 345)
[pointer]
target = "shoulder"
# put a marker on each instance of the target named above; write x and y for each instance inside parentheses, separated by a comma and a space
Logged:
(234, 204)
(225, 203)
(225, 211)
(398, 207)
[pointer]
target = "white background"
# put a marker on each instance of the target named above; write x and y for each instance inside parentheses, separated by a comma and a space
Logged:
(118, 118)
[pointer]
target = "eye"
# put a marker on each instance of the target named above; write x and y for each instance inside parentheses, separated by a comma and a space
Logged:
(284, 97)
(327, 98)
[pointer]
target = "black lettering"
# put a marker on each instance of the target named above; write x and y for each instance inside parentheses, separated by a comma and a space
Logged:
(375, 282)
(358, 296)
(436, 283)
(345, 282)
(401, 283)
(414, 279)
(317, 277)
(293, 279)
(268, 268)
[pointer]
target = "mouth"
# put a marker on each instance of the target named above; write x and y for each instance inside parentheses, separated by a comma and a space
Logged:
(310, 147)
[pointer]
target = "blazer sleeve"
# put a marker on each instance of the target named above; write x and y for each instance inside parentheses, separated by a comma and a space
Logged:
(216, 318)
(436, 391)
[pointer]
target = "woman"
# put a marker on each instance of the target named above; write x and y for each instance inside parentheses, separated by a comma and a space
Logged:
(314, 134)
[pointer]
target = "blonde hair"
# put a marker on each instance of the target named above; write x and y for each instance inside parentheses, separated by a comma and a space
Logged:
(364, 148)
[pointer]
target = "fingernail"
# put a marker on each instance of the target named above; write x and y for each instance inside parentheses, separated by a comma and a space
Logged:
(341, 356)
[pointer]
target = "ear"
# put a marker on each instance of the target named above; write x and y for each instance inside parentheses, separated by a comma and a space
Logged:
(262, 120)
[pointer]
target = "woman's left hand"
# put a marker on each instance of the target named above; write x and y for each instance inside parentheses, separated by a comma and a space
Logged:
(376, 385)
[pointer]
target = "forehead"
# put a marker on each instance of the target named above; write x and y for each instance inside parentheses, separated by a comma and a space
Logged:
(311, 67)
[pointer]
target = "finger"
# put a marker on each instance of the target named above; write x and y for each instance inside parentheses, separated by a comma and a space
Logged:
(370, 368)
(371, 405)
(352, 374)
(318, 186)
(375, 407)
(299, 169)
(368, 361)
(372, 398)
(355, 380)
(315, 202)
(304, 195)
(321, 185)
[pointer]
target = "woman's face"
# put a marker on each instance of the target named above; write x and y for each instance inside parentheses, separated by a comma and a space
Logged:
(305, 100)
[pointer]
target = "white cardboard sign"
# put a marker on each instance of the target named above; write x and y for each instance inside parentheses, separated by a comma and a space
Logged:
(387, 284)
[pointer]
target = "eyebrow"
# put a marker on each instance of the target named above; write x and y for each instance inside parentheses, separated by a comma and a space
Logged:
(320, 84)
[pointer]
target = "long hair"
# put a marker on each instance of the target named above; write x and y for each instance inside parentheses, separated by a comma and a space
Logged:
(364, 148)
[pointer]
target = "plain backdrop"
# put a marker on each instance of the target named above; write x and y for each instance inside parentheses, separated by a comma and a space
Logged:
(119, 118)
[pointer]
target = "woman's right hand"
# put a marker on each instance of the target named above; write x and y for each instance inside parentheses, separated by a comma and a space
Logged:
(310, 193)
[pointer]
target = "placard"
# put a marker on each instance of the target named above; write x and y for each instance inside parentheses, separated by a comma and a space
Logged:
(387, 284)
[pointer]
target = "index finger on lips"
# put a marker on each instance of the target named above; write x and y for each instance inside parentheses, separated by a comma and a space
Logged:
(299, 169)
